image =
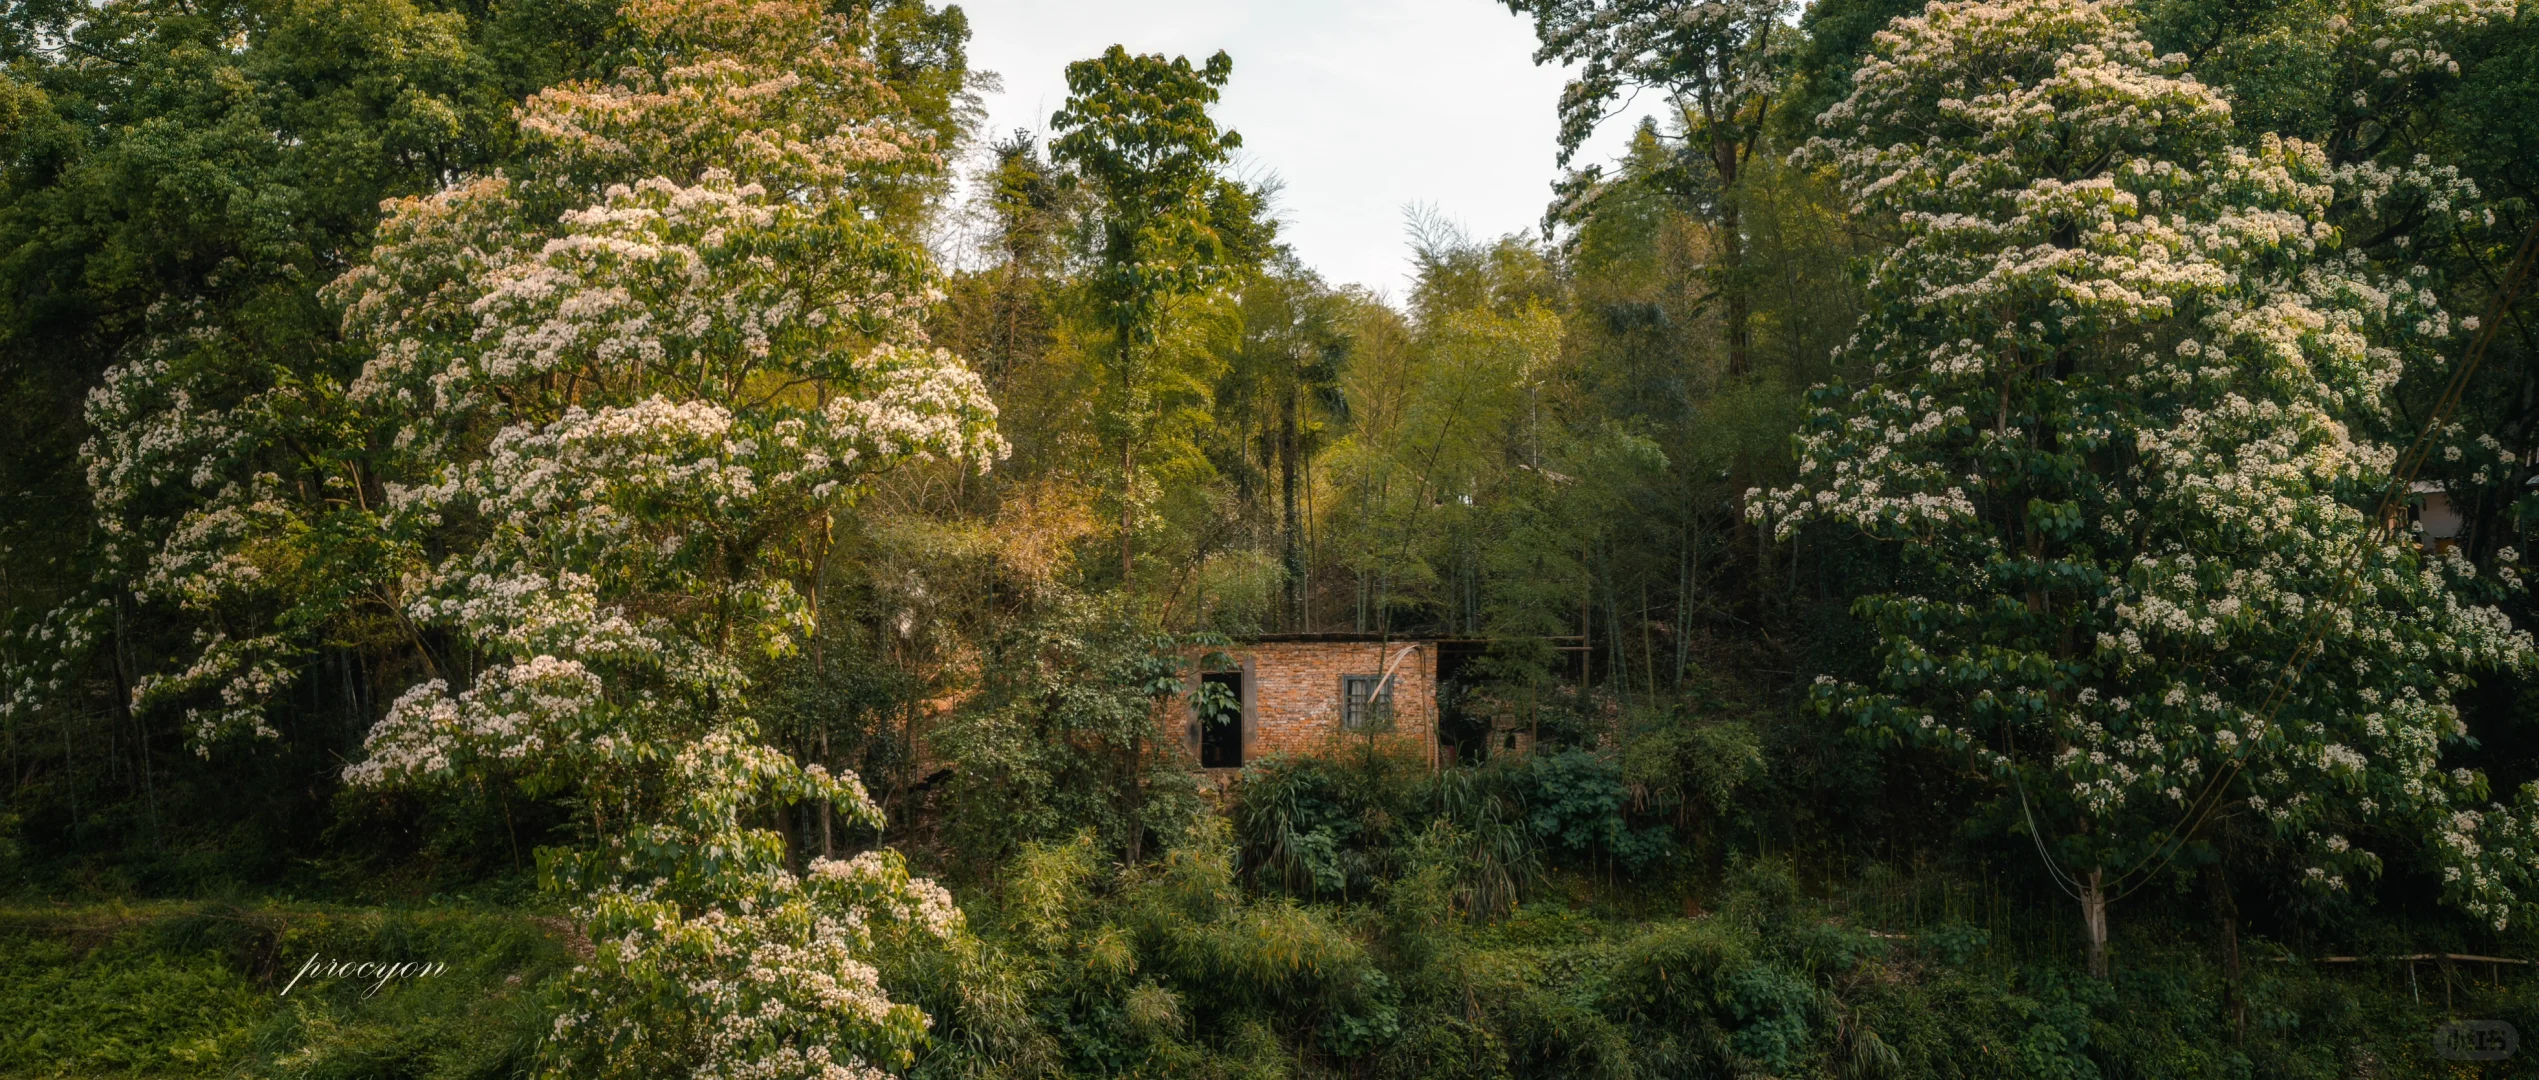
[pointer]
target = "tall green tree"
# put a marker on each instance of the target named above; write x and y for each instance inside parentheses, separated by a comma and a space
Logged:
(1004, 315)
(1170, 224)
(1278, 399)
(1718, 61)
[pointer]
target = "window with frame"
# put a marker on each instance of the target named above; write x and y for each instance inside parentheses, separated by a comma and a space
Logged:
(1366, 703)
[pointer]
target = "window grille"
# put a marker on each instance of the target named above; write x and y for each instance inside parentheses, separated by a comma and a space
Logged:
(1362, 708)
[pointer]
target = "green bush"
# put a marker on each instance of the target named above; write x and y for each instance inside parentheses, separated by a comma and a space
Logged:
(1579, 807)
(1318, 827)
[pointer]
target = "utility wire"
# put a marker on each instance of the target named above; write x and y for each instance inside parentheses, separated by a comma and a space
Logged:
(2063, 880)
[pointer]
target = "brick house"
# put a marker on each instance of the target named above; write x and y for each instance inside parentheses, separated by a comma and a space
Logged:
(1300, 693)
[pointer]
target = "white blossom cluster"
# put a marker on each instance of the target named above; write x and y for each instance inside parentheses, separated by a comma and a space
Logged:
(192, 514)
(2411, 39)
(611, 436)
(775, 984)
(606, 438)
(510, 716)
(773, 91)
(37, 664)
(2117, 363)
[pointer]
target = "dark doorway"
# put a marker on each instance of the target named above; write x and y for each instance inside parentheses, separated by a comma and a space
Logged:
(1221, 734)
(1464, 732)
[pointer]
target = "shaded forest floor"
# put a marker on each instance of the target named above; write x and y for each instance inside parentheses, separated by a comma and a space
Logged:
(226, 990)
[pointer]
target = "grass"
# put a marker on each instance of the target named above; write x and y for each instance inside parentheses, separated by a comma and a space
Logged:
(191, 990)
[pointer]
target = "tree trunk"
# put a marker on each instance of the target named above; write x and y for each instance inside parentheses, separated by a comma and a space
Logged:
(1732, 286)
(2094, 919)
(1128, 512)
(1128, 462)
(1725, 158)
(1586, 637)
(1136, 799)
(70, 767)
(2234, 996)
(828, 810)
(1293, 557)
(123, 709)
(820, 660)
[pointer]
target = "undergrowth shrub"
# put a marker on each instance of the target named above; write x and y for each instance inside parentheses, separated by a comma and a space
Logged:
(1182, 967)
(1579, 808)
(1333, 827)
(1313, 826)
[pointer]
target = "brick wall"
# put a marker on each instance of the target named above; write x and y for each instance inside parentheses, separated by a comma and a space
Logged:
(1292, 695)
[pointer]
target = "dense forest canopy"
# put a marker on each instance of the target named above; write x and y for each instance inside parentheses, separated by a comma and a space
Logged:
(1983, 523)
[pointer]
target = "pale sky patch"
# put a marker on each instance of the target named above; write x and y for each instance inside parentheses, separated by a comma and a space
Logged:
(1361, 107)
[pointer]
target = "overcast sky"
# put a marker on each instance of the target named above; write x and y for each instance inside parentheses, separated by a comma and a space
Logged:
(1360, 106)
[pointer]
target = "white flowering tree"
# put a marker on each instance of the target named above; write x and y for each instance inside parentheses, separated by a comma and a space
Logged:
(608, 411)
(2117, 367)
